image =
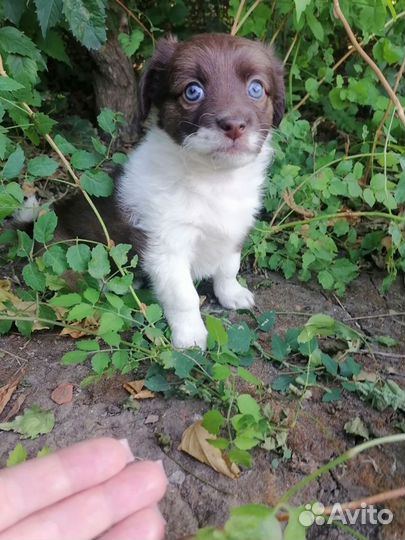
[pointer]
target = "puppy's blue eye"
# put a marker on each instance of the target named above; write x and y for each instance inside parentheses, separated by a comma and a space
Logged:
(194, 93)
(255, 89)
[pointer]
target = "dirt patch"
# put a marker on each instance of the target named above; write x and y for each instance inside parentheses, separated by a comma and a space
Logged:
(197, 496)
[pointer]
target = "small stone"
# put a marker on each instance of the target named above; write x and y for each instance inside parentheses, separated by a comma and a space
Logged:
(177, 477)
(151, 419)
(113, 410)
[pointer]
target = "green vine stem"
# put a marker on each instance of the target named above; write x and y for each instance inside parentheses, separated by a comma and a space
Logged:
(343, 458)
(325, 217)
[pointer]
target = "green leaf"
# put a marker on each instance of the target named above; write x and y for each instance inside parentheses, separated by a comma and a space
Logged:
(240, 338)
(131, 43)
(349, 367)
(80, 311)
(88, 345)
(357, 427)
(300, 7)
(43, 123)
(25, 243)
(110, 322)
(33, 277)
(253, 521)
(16, 456)
(221, 372)
(213, 421)
(55, 258)
(153, 313)
(54, 46)
(13, 40)
(329, 363)
(97, 183)
(326, 279)
(49, 13)
(119, 254)
(120, 285)
(314, 25)
(244, 442)
(13, 9)
(9, 85)
(44, 227)
(387, 341)
(369, 197)
(216, 331)
(248, 377)
(279, 348)
(78, 257)
(8, 204)
(42, 166)
(82, 159)
(100, 362)
(248, 405)
(183, 363)
(107, 121)
(120, 359)
(32, 423)
(74, 357)
(86, 20)
(14, 164)
(241, 457)
(317, 325)
(99, 265)
(294, 529)
(332, 395)
(45, 451)
(266, 321)
(155, 379)
(282, 383)
(65, 146)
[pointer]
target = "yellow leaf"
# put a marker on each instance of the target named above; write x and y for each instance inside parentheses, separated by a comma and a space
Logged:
(194, 441)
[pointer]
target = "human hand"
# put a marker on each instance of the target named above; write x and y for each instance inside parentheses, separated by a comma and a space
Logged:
(83, 492)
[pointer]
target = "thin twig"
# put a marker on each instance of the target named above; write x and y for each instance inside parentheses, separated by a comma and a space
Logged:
(247, 15)
(392, 95)
(294, 41)
(383, 120)
(345, 57)
(138, 21)
(395, 314)
(237, 17)
(65, 163)
(352, 505)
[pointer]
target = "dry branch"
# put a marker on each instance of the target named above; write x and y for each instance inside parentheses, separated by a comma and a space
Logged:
(394, 98)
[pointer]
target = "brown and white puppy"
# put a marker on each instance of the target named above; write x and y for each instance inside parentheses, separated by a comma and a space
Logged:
(191, 189)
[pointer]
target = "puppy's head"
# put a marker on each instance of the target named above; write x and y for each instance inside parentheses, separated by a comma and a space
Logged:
(215, 95)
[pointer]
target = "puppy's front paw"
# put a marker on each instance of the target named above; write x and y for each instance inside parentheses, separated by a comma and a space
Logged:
(234, 296)
(189, 334)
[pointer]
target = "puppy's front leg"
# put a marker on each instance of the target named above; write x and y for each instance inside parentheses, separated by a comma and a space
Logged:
(172, 282)
(228, 290)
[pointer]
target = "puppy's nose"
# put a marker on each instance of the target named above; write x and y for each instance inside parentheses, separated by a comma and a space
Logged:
(233, 127)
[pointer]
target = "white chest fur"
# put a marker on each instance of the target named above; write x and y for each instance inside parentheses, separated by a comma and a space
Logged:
(186, 205)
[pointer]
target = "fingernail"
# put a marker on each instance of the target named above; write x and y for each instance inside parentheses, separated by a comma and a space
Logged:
(160, 463)
(130, 455)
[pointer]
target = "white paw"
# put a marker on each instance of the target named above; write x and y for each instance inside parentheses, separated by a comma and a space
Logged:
(190, 334)
(234, 296)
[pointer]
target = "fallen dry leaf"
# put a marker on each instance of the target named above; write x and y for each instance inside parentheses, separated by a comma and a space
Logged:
(8, 390)
(15, 409)
(63, 393)
(194, 441)
(288, 197)
(81, 329)
(364, 375)
(21, 307)
(135, 388)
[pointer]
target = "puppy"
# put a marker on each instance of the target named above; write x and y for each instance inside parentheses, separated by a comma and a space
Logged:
(190, 190)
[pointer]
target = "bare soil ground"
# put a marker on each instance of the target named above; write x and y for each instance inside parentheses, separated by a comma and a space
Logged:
(197, 496)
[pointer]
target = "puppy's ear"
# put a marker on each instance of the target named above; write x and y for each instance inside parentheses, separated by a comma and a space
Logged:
(278, 88)
(152, 83)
